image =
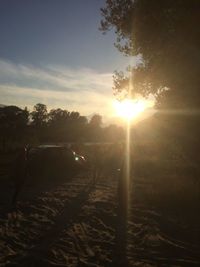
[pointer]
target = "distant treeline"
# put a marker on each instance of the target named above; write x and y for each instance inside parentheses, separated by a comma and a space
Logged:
(20, 126)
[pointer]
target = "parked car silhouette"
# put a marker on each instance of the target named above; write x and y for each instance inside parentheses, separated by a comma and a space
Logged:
(45, 163)
(54, 161)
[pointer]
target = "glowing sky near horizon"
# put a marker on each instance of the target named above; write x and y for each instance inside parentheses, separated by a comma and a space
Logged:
(52, 52)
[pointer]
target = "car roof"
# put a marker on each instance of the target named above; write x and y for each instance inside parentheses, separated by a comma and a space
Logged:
(50, 146)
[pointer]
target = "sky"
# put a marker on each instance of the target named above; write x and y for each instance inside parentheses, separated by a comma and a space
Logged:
(52, 52)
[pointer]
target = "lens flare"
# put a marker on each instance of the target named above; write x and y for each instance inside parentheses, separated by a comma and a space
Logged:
(129, 109)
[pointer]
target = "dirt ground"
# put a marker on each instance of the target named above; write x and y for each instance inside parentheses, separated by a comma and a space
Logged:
(70, 224)
(79, 223)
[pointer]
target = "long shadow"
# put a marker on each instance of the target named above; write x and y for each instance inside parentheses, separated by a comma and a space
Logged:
(36, 255)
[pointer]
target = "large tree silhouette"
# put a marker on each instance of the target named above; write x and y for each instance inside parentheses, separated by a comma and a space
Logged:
(39, 115)
(13, 124)
(166, 36)
(20, 127)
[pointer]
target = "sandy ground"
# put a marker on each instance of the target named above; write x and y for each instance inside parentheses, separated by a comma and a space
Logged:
(75, 223)
(72, 224)
(159, 238)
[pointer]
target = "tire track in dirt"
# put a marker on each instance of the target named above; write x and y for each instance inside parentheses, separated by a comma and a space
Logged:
(90, 239)
(85, 224)
(71, 210)
(158, 240)
(30, 227)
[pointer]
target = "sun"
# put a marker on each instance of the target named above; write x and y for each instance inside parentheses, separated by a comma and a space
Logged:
(128, 108)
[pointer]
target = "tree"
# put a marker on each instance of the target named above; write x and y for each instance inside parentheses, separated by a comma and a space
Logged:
(96, 121)
(94, 128)
(66, 126)
(13, 123)
(58, 116)
(165, 34)
(74, 115)
(39, 115)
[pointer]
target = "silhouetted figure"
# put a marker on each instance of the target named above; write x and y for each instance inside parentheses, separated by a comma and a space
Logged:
(19, 172)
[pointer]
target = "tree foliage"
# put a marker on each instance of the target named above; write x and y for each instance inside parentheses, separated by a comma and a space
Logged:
(13, 123)
(39, 115)
(166, 35)
(96, 120)
(58, 125)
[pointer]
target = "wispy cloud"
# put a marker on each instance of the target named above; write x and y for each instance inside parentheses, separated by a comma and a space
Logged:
(84, 90)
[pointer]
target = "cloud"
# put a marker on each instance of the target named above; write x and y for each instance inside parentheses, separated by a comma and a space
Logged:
(83, 90)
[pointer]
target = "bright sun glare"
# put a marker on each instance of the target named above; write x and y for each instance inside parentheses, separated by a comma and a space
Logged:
(129, 109)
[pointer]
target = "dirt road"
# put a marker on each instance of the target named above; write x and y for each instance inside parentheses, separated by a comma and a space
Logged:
(71, 224)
